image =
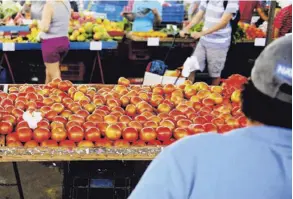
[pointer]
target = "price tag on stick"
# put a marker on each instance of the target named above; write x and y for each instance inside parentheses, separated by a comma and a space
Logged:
(96, 45)
(259, 42)
(8, 46)
(153, 41)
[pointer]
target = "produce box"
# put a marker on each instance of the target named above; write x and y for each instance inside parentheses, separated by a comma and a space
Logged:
(154, 79)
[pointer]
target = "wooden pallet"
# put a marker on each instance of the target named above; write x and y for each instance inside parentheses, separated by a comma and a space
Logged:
(41, 154)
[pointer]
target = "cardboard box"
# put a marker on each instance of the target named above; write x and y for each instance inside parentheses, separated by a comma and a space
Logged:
(153, 79)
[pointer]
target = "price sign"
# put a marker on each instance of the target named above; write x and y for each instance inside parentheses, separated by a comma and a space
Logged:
(27, 21)
(96, 45)
(259, 42)
(8, 46)
(175, 27)
(153, 41)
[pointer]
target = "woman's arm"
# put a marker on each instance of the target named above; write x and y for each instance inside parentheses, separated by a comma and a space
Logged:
(158, 18)
(46, 17)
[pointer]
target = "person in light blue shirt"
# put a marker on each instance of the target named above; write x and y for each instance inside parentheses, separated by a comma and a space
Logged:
(249, 163)
(146, 15)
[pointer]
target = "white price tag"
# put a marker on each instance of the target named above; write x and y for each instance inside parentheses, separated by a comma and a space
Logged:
(96, 45)
(8, 46)
(175, 27)
(153, 41)
(260, 42)
(27, 21)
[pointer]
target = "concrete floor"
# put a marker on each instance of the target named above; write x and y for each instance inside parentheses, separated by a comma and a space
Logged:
(39, 181)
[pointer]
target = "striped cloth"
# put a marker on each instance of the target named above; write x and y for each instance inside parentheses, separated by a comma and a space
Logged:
(214, 10)
(283, 21)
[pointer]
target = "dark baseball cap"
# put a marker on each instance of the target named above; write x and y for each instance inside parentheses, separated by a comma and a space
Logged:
(273, 68)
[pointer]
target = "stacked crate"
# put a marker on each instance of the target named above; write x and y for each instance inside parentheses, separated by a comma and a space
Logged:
(173, 13)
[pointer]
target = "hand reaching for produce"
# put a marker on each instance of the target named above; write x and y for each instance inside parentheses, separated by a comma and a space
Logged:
(182, 33)
(196, 35)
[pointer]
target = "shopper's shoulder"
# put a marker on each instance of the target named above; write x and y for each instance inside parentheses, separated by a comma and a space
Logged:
(197, 143)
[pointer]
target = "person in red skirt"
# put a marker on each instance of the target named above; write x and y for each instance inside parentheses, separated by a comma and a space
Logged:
(55, 43)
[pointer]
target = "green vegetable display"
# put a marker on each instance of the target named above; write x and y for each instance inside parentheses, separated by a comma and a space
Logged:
(9, 8)
(197, 27)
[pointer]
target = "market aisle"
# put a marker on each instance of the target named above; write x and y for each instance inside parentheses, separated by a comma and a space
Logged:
(38, 181)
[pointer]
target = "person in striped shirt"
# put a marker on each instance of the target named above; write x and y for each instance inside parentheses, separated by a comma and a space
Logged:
(215, 38)
(283, 22)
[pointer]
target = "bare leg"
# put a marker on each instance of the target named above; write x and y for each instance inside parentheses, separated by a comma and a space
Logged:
(52, 71)
(48, 77)
(216, 81)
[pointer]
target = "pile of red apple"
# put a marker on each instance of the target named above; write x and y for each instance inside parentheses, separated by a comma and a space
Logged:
(122, 115)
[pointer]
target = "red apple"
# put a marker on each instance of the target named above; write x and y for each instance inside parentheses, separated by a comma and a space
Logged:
(113, 132)
(75, 133)
(16, 112)
(224, 128)
(11, 137)
(130, 110)
(232, 122)
(163, 133)
(67, 144)
(136, 125)
(59, 134)
(123, 81)
(9, 118)
(14, 144)
(20, 105)
(103, 143)
(154, 143)
(77, 118)
(121, 143)
(209, 127)
(5, 127)
(180, 133)
(242, 121)
(50, 115)
(49, 143)
(168, 123)
(85, 144)
(43, 124)
(195, 129)
(92, 134)
(24, 134)
(31, 144)
(139, 143)
(111, 119)
(199, 120)
(64, 86)
(130, 134)
(183, 123)
(147, 134)
(41, 134)
(57, 107)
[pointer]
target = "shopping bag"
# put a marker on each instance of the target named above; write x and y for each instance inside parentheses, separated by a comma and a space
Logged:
(191, 64)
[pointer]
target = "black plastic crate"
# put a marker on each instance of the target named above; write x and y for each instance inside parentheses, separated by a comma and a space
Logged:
(107, 180)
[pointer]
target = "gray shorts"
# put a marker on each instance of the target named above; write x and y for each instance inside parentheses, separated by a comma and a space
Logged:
(215, 57)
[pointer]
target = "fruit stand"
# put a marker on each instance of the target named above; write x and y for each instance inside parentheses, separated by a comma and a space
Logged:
(67, 122)
(73, 46)
(134, 122)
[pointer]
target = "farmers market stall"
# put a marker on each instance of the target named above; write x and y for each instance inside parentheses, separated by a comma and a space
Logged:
(65, 122)
(8, 48)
